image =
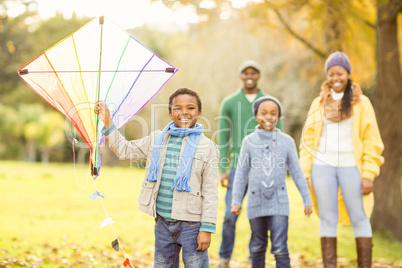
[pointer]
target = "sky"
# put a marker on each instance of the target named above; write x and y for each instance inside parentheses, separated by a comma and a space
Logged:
(126, 13)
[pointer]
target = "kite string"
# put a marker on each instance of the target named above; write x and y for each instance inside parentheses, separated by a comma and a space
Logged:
(75, 141)
(111, 224)
(76, 179)
(97, 153)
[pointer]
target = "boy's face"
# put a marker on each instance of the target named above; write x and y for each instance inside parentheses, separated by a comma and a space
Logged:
(250, 77)
(267, 115)
(184, 111)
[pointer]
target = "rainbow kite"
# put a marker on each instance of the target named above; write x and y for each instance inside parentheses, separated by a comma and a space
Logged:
(99, 62)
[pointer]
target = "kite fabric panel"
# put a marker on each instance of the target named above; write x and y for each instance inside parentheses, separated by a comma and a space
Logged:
(100, 61)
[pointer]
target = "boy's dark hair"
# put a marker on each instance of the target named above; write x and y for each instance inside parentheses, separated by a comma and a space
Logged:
(185, 91)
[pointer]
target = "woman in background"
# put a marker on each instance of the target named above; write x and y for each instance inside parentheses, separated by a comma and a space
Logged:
(341, 148)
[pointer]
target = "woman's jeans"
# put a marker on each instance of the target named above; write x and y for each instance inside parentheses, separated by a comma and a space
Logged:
(278, 226)
(326, 180)
(171, 237)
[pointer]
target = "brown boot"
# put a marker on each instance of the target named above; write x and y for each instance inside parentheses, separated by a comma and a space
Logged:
(364, 251)
(328, 249)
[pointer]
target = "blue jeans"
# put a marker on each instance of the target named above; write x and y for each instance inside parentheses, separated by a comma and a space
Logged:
(278, 226)
(326, 180)
(229, 221)
(171, 237)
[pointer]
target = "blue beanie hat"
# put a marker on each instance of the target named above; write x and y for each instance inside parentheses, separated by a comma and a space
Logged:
(260, 100)
(338, 58)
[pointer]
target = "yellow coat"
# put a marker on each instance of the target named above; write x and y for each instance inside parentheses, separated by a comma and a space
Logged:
(367, 145)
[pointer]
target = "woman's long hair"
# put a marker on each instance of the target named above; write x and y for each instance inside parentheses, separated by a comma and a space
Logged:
(346, 100)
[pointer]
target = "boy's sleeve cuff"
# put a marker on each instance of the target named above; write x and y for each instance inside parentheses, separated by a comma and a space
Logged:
(208, 227)
(108, 130)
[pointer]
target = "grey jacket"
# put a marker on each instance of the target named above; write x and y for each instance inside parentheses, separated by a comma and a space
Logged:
(201, 204)
(263, 161)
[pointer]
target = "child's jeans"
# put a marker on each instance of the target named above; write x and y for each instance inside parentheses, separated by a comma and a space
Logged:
(278, 226)
(171, 237)
(326, 180)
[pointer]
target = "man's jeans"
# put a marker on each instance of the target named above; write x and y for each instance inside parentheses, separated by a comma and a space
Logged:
(278, 226)
(171, 237)
(229, 222)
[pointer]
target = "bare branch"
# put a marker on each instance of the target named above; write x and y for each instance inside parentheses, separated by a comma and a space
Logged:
(362, 19)
(368, 23)
(297, 36)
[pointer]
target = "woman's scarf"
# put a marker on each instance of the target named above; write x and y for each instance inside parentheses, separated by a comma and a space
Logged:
(182, 179)
(333, 108)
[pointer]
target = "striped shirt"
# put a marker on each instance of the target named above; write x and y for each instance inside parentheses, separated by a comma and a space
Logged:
(164, 199)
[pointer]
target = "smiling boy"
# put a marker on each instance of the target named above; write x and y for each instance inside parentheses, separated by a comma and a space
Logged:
(180, 187)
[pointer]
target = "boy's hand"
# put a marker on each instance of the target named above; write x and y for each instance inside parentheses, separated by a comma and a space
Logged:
(236, 209)
(103, 112)
(225, 180)
(203, 241)
(308, 211)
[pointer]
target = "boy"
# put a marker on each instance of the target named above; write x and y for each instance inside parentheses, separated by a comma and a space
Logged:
(180, 188)
(264, 157)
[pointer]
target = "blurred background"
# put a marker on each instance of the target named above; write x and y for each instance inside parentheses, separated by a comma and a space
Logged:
(207, 40)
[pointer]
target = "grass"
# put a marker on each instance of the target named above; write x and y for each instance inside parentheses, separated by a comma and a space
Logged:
(46, 213)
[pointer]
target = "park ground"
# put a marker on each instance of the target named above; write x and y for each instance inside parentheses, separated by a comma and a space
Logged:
(48, 220)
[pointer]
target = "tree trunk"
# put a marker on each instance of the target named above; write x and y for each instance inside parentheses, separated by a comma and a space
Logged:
(387, 187)
(332, 24)
(45, 156)
(30, 151)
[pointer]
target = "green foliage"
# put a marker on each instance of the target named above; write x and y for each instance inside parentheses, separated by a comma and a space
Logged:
(37, 124)
(13, 42)
(47, 132)
(31, 123)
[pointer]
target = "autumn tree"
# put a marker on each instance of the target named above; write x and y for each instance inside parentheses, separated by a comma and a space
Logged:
(387, 188)
(388, 93)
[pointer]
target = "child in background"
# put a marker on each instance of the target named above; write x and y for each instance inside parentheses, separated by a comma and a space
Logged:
(180, 187)
(262, 163)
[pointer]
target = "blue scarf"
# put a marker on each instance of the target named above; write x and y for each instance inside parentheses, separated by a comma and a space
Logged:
(182, 179)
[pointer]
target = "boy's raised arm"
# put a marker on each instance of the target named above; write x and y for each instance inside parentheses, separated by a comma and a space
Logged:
(136, 150)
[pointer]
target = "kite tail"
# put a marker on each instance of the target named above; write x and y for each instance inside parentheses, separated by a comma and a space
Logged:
(181, 183)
